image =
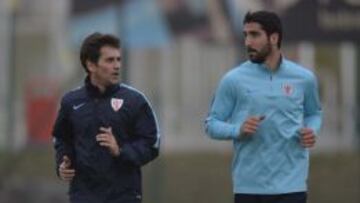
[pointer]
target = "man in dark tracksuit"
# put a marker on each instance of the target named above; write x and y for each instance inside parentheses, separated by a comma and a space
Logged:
(105, 130)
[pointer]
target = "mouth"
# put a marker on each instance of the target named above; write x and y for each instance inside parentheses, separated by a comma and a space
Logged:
(115, 74)
(251, 51)
(252, 54)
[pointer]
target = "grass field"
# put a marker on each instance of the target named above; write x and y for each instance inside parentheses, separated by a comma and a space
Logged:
(334, 178)
(176, 178)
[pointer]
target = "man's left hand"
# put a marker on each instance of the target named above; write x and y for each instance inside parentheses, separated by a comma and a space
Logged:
(106, 139)
(307, 137)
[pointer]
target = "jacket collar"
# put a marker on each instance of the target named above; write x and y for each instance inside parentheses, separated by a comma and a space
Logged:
(94, 91)
(281, 65)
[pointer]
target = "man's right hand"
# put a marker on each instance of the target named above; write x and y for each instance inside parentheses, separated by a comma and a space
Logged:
(65, 172)
(250, 125)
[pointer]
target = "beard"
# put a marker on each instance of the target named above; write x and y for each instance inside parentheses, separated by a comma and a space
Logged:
(260, 56)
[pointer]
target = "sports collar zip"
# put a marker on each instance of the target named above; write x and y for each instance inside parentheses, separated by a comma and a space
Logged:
(94, 91)
(268, 70)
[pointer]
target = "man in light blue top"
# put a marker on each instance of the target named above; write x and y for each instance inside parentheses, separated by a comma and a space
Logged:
(269, 107)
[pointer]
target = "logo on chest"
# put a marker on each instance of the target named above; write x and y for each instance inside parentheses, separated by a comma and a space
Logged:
(116, 104)
(287, 89)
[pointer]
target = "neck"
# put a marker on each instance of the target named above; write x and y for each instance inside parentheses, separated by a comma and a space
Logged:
(273, 60)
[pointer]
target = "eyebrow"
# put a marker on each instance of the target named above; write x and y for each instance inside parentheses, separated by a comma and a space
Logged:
(251, 32)
(113, 57)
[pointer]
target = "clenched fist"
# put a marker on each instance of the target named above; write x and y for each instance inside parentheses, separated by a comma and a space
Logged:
(307, 137)
(106, 139)
(250, 125)
(65, 171)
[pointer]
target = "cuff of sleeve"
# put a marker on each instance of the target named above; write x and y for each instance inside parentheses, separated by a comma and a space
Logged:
(235, 131)
(126, 153)
(315, 130)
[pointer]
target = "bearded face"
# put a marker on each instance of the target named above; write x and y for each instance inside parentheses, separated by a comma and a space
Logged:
(257, 42)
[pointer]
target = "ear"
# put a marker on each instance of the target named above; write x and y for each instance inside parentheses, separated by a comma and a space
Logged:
(90, 66)
(274, 38)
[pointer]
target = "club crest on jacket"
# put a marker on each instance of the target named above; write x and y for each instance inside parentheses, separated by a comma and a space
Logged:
(116, 104)
(288, 89)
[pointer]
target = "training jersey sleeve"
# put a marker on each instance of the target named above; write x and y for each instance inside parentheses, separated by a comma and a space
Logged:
(217, 124)
(312, 105)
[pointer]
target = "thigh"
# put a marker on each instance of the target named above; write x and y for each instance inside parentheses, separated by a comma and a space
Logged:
(297, 197)
(247, 198)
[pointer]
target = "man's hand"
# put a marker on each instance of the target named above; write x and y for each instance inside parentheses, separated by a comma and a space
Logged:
(251, 125)
(106, 139)
(65, 172)
(307, 137)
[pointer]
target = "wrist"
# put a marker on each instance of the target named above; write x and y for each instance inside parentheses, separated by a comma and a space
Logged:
(117, 152)
(242, 135)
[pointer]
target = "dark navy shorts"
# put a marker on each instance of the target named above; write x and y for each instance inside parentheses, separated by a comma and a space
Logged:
(297, 197)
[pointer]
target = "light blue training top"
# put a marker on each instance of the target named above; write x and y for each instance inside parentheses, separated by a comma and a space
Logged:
(271, 161)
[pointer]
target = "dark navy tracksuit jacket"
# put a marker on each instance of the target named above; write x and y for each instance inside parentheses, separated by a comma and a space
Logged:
(101, 177)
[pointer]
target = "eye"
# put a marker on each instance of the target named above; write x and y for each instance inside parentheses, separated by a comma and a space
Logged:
(111, 59)
(254, 34)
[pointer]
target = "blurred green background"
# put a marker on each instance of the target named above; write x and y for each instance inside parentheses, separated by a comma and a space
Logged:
(190, 177)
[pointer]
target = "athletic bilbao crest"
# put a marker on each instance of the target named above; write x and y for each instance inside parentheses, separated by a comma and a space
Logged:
(288, 89)
(116, 104)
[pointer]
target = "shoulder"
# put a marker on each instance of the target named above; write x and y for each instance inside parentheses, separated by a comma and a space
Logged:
(74, 94)
(238, 71)
(299, 70)
(132, 93)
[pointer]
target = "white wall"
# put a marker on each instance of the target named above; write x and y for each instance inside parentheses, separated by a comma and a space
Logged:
(180, 81)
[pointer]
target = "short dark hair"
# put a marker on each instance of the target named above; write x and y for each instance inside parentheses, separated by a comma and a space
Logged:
(269, 21)
(90, 48)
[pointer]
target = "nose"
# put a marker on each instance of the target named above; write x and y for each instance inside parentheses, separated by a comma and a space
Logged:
(248, 42)
(117, 65)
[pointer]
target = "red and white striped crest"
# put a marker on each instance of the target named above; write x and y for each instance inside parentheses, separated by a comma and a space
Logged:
(288, 89)
(116, 104)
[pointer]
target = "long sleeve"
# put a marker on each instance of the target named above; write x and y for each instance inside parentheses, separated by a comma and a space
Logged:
(312, 106)
(144, 147)
(62, 135)
(217, 124)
